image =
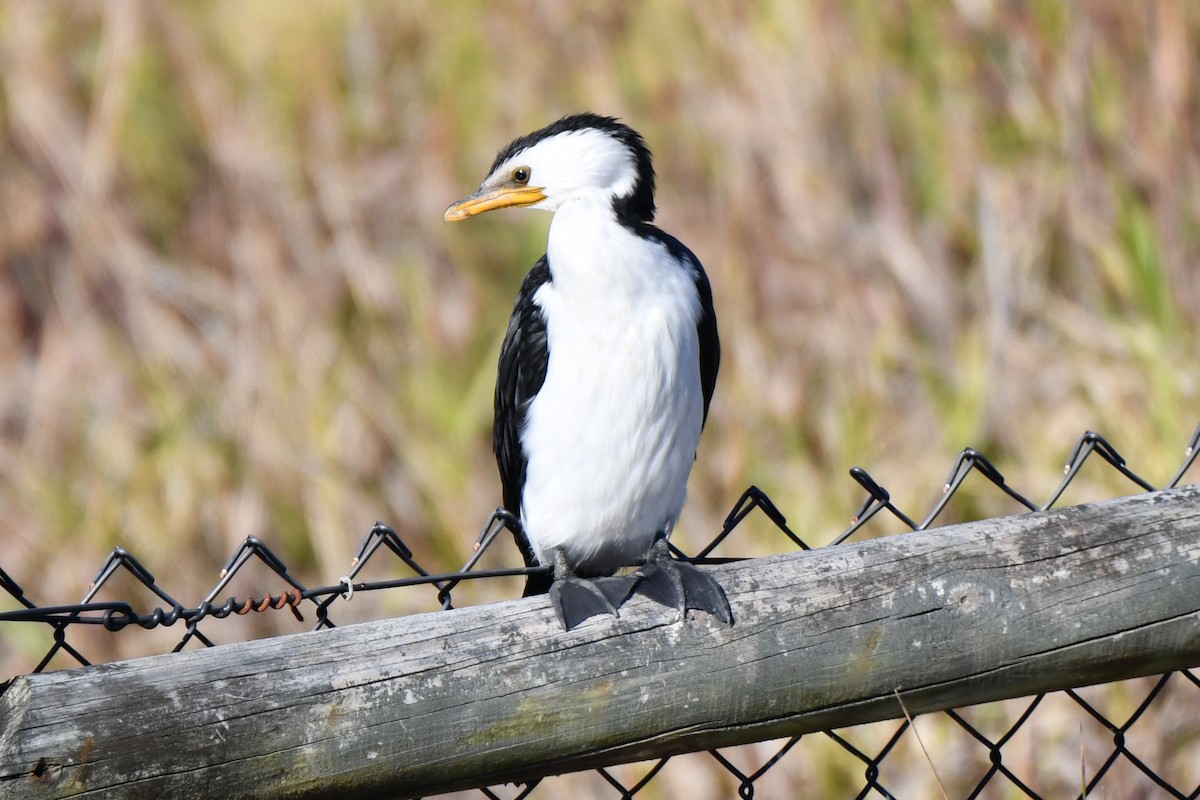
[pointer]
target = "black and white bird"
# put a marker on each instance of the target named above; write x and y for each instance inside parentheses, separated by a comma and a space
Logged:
(605, 373)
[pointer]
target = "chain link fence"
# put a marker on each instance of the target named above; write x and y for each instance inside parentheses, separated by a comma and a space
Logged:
(1135, 739)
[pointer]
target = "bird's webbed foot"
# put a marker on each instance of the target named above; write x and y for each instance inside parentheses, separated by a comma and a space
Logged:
(678, 584)
(576, 599)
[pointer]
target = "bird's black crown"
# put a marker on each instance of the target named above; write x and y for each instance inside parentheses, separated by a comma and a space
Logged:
(638, 206)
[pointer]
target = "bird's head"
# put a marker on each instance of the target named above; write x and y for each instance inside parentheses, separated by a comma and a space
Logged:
(579, 156)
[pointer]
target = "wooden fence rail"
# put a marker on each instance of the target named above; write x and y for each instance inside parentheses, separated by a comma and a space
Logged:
(408, 707)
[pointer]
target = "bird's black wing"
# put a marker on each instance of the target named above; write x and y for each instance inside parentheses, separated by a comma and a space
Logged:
(706, 326)
(710, 343)
(519, 377)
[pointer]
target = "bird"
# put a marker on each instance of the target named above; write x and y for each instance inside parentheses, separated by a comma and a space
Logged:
(605, 375)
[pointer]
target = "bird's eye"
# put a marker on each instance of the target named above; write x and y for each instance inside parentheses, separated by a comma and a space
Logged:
(521, 175)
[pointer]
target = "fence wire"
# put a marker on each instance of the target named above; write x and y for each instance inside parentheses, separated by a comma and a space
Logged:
(1172, 772)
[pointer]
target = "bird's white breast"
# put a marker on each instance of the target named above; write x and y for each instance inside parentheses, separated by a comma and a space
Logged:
(612, 435)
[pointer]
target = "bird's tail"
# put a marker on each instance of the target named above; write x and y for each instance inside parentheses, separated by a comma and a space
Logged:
(538, 583)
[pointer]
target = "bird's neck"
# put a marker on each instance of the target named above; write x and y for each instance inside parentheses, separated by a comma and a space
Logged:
(589, 249)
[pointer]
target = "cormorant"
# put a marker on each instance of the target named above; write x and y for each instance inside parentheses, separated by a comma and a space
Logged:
(605, 374)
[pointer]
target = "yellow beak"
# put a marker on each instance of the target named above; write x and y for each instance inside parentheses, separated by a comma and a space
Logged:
(486, 200)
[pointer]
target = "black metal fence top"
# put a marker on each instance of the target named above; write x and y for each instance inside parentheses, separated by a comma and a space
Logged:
(318, 604)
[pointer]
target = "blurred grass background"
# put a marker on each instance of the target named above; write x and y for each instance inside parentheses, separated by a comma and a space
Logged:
(229, 305)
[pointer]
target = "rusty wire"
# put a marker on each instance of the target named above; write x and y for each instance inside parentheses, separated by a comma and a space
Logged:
(295, 597)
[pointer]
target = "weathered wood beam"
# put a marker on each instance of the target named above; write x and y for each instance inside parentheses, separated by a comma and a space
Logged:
(407, 707)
